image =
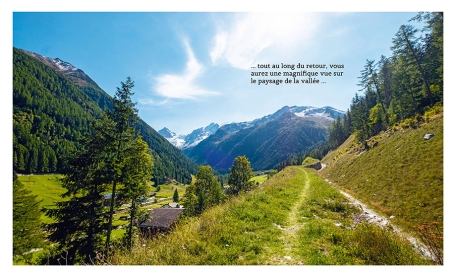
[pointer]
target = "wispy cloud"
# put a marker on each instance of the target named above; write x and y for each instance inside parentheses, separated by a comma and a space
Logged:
(183, 86)
(249, 37)
(152, 102)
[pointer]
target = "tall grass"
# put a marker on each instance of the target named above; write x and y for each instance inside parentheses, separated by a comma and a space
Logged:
(402, 176)
(256, 229)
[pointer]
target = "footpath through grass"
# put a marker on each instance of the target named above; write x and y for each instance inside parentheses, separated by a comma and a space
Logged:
(401, 175)
(293, 218)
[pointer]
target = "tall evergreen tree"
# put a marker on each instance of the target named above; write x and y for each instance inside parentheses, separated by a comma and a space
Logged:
(122, 134)
(406, 44)
(369, 82)
(80, 220)
(175, 196)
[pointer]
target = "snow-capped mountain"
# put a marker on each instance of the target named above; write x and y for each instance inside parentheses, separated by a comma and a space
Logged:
(325, 113)
(182, 142)
(192, 139)
(265, 141)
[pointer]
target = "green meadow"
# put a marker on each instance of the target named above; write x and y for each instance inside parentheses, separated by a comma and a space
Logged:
(293, 218)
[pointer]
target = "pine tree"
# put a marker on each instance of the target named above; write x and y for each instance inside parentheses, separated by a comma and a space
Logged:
(80, 220)
(176, 196)
(122, 118)
(407, 45)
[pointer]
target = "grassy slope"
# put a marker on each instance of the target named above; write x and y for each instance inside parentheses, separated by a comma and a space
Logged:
(293, 218)
(402, 176)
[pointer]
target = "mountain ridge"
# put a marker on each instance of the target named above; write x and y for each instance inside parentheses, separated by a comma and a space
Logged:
(265, 143)
(185, 141)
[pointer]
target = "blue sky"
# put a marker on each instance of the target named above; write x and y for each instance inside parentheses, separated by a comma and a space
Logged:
(193, 68)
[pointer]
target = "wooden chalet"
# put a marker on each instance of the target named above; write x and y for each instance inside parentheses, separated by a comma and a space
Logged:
(160, 220)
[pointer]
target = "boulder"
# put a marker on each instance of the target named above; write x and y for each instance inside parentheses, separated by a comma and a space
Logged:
(428, 136)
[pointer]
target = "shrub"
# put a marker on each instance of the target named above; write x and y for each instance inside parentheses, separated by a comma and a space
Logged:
(432, 237)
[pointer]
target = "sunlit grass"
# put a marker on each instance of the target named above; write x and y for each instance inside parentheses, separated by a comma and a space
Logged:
(259, 179)
(256, 229)
(402, 176)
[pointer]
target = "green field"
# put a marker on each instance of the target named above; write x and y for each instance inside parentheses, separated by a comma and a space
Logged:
(167, 190)
(49, 190)
(46, 187)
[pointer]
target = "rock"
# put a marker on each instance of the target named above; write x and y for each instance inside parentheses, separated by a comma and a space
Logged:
(428, 136)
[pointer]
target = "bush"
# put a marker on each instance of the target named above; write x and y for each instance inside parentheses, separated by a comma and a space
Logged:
(409, 123)
(432, 237)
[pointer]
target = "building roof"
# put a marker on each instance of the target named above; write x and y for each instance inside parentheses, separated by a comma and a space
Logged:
(172, 205)
(162, 218)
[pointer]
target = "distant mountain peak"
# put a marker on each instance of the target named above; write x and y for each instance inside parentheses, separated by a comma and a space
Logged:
(183, 141)
(165, 132)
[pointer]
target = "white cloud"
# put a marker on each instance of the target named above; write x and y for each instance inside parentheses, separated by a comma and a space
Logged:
(183, 86)
(259, 37)
(151, 102)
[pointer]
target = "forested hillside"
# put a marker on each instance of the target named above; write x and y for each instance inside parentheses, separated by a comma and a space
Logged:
(51, 112)
(399, 87)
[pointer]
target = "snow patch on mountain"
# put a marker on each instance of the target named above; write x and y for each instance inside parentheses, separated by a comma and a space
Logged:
(198, 135)
(324, 112)
(192, 139)
(62, 65)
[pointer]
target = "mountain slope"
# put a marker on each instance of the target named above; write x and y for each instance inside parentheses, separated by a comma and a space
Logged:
(51, 113)
(400, 175)
(264, 143)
